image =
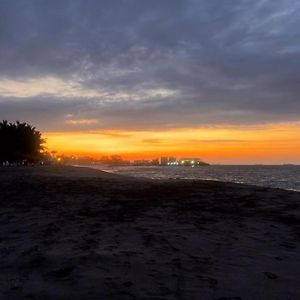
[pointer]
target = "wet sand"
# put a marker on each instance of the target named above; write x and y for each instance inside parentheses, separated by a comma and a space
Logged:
(78, 233)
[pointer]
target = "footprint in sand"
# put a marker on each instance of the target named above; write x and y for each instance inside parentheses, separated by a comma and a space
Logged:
(271, 275)
(229, 298)
(62, 273)
(127, 283)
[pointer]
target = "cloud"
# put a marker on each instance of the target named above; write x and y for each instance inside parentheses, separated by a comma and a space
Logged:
(149, 64)
(81, 121)
(154, 141)
(45, 86)
(65, 89)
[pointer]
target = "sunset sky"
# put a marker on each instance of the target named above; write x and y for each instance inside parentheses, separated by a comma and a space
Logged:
(214, 79)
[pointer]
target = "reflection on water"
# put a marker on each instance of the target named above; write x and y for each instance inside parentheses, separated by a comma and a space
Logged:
(286, 176)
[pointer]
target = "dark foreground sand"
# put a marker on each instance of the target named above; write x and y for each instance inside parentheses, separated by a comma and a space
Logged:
(76, 233)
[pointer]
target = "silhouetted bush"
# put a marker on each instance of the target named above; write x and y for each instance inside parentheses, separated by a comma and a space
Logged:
(20, 143)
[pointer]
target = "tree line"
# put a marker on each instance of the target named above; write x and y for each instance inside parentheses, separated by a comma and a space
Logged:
(20, 143)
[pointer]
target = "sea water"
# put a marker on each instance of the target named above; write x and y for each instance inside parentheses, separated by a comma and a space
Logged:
(279, 176)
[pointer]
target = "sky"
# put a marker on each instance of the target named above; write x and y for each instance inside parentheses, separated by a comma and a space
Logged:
(215, 79)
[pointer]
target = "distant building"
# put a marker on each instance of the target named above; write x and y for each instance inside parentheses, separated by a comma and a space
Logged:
(168, 161)
(155, 162)
(191, 162)
(141, 162)
(186, 161)
(172, 161)
(164, 161)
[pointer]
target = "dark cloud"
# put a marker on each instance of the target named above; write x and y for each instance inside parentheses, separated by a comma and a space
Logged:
(229, 61)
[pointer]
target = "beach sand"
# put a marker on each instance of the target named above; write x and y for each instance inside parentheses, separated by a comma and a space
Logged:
(78, 233)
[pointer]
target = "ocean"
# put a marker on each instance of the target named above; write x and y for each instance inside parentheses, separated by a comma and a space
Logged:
(279, 176)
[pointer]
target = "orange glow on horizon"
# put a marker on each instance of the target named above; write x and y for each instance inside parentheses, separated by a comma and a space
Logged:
(263, 144)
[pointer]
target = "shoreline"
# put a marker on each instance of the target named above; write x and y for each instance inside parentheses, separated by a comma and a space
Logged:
(188, 179)
(76, 232)
(88, 171)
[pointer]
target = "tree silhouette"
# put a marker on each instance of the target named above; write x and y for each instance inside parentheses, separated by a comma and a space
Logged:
(20, 143)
